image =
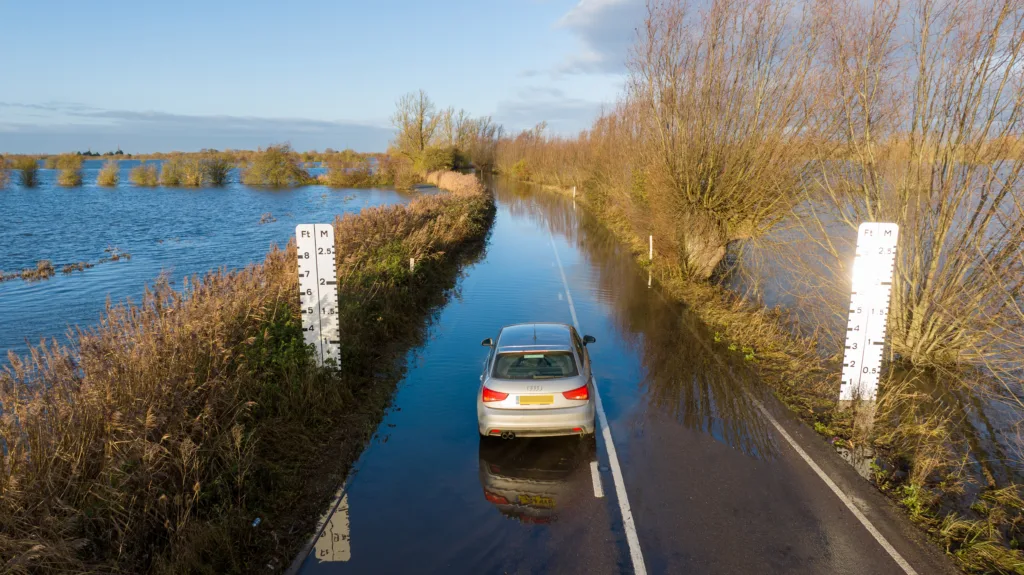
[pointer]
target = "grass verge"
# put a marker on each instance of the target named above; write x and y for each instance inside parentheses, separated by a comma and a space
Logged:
(153, 443)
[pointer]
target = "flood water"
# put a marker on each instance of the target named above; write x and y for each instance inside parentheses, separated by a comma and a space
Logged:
(177, 231)
(709, 487)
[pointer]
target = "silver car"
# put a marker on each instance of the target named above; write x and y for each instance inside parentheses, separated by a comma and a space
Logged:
(536, 383)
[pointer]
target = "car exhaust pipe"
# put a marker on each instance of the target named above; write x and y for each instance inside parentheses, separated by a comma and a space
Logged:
(508, 435)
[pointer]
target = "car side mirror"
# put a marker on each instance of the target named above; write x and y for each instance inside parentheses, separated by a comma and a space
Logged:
(487, 342)
(589, 339)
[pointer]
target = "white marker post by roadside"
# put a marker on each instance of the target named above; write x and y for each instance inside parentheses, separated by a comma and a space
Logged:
(869, 311)
(318, 290)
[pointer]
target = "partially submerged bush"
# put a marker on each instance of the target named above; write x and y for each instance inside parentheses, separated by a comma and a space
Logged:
(5, 177)
(172, 172)
(28, 170)
(144, 175)
(277, 167)
(70, 166)
(217, 169)
(110, 175)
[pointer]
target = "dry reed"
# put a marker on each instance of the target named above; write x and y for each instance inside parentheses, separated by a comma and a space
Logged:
(150, 442)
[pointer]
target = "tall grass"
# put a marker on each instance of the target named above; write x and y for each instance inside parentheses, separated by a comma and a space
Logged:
(110, 175)
(70, 166)
(5, 176)
(277, 166)
(151, 443)
(144, 176)
(28, 170)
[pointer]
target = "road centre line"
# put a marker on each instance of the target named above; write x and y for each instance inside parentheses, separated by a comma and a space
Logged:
(628, 525)
(595, 476)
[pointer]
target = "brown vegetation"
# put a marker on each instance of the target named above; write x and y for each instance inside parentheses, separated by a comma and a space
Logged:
(277, 166)
(748, 114)
(144, 175)
(433, 140)
(70, 166)
(110, 175)
(28, 170)
(153, 443)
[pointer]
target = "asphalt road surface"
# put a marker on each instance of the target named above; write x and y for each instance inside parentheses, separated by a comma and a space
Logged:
(695, 468)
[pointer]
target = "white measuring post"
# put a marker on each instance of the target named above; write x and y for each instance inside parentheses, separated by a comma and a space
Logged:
(869, 310)
(318, 289)
(574, 192)
(650, 249)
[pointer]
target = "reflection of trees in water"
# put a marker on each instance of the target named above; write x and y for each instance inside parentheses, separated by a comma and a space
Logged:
(685, 377)
(948, 429)
(701, 388)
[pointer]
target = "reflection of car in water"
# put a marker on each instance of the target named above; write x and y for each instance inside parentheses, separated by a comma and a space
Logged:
(533, 480)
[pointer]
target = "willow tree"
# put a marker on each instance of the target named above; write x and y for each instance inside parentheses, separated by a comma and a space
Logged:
(721, 100)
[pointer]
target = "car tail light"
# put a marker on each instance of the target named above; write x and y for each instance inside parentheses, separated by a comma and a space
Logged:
(491, 395)
(578, 393)
(495, 498)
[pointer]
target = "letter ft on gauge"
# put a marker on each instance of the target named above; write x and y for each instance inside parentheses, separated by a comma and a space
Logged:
(318, 289)
(869, 310)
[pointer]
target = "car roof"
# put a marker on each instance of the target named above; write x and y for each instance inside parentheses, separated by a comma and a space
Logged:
(533, 336)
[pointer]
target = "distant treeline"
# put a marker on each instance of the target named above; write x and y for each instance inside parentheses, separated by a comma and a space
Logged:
(428, 140)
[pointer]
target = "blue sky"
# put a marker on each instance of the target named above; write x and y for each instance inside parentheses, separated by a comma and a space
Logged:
(163, 76)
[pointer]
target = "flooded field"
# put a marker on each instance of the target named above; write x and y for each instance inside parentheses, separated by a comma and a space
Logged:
(172, 231)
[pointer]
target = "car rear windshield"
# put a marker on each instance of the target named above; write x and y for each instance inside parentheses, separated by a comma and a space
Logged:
(535, 365)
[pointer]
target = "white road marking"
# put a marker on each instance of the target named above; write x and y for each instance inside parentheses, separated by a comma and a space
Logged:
(628, 525)
(596, 477)
(839, 493)
(904, 565)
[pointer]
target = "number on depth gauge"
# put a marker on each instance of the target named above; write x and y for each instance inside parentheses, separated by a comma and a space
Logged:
(318, 289)
(869, 310)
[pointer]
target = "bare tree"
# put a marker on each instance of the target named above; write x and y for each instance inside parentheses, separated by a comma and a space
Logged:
(416, 120)
(723, 96)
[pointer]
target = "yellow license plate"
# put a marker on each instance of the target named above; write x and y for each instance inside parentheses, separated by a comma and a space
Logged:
(536, 501)
(536, 399)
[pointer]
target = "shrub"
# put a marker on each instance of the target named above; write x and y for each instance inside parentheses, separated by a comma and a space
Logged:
(520, 170)
(436, 159)
(144, 175)
(398, 171)
(28, 168)
(277, 167)
(50, 162)
(70, 166)
(345, 172)
(5, 177)
(172, 172)
(109, 175)
(216, 169)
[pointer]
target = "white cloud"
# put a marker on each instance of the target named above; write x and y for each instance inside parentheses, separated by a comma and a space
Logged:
(606, 29)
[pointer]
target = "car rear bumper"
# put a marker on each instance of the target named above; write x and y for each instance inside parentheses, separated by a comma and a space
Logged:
(537, 422)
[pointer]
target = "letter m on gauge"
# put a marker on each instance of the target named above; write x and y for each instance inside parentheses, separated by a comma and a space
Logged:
(318, 290)
(869, 310)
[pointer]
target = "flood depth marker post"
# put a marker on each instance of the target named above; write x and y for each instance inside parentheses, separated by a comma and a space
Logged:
(318, 290)
(869, 310)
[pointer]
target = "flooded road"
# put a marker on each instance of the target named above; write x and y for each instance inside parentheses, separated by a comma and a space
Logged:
(702, 478)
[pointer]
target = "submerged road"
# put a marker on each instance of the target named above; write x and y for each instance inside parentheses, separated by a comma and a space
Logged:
(694, 469)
